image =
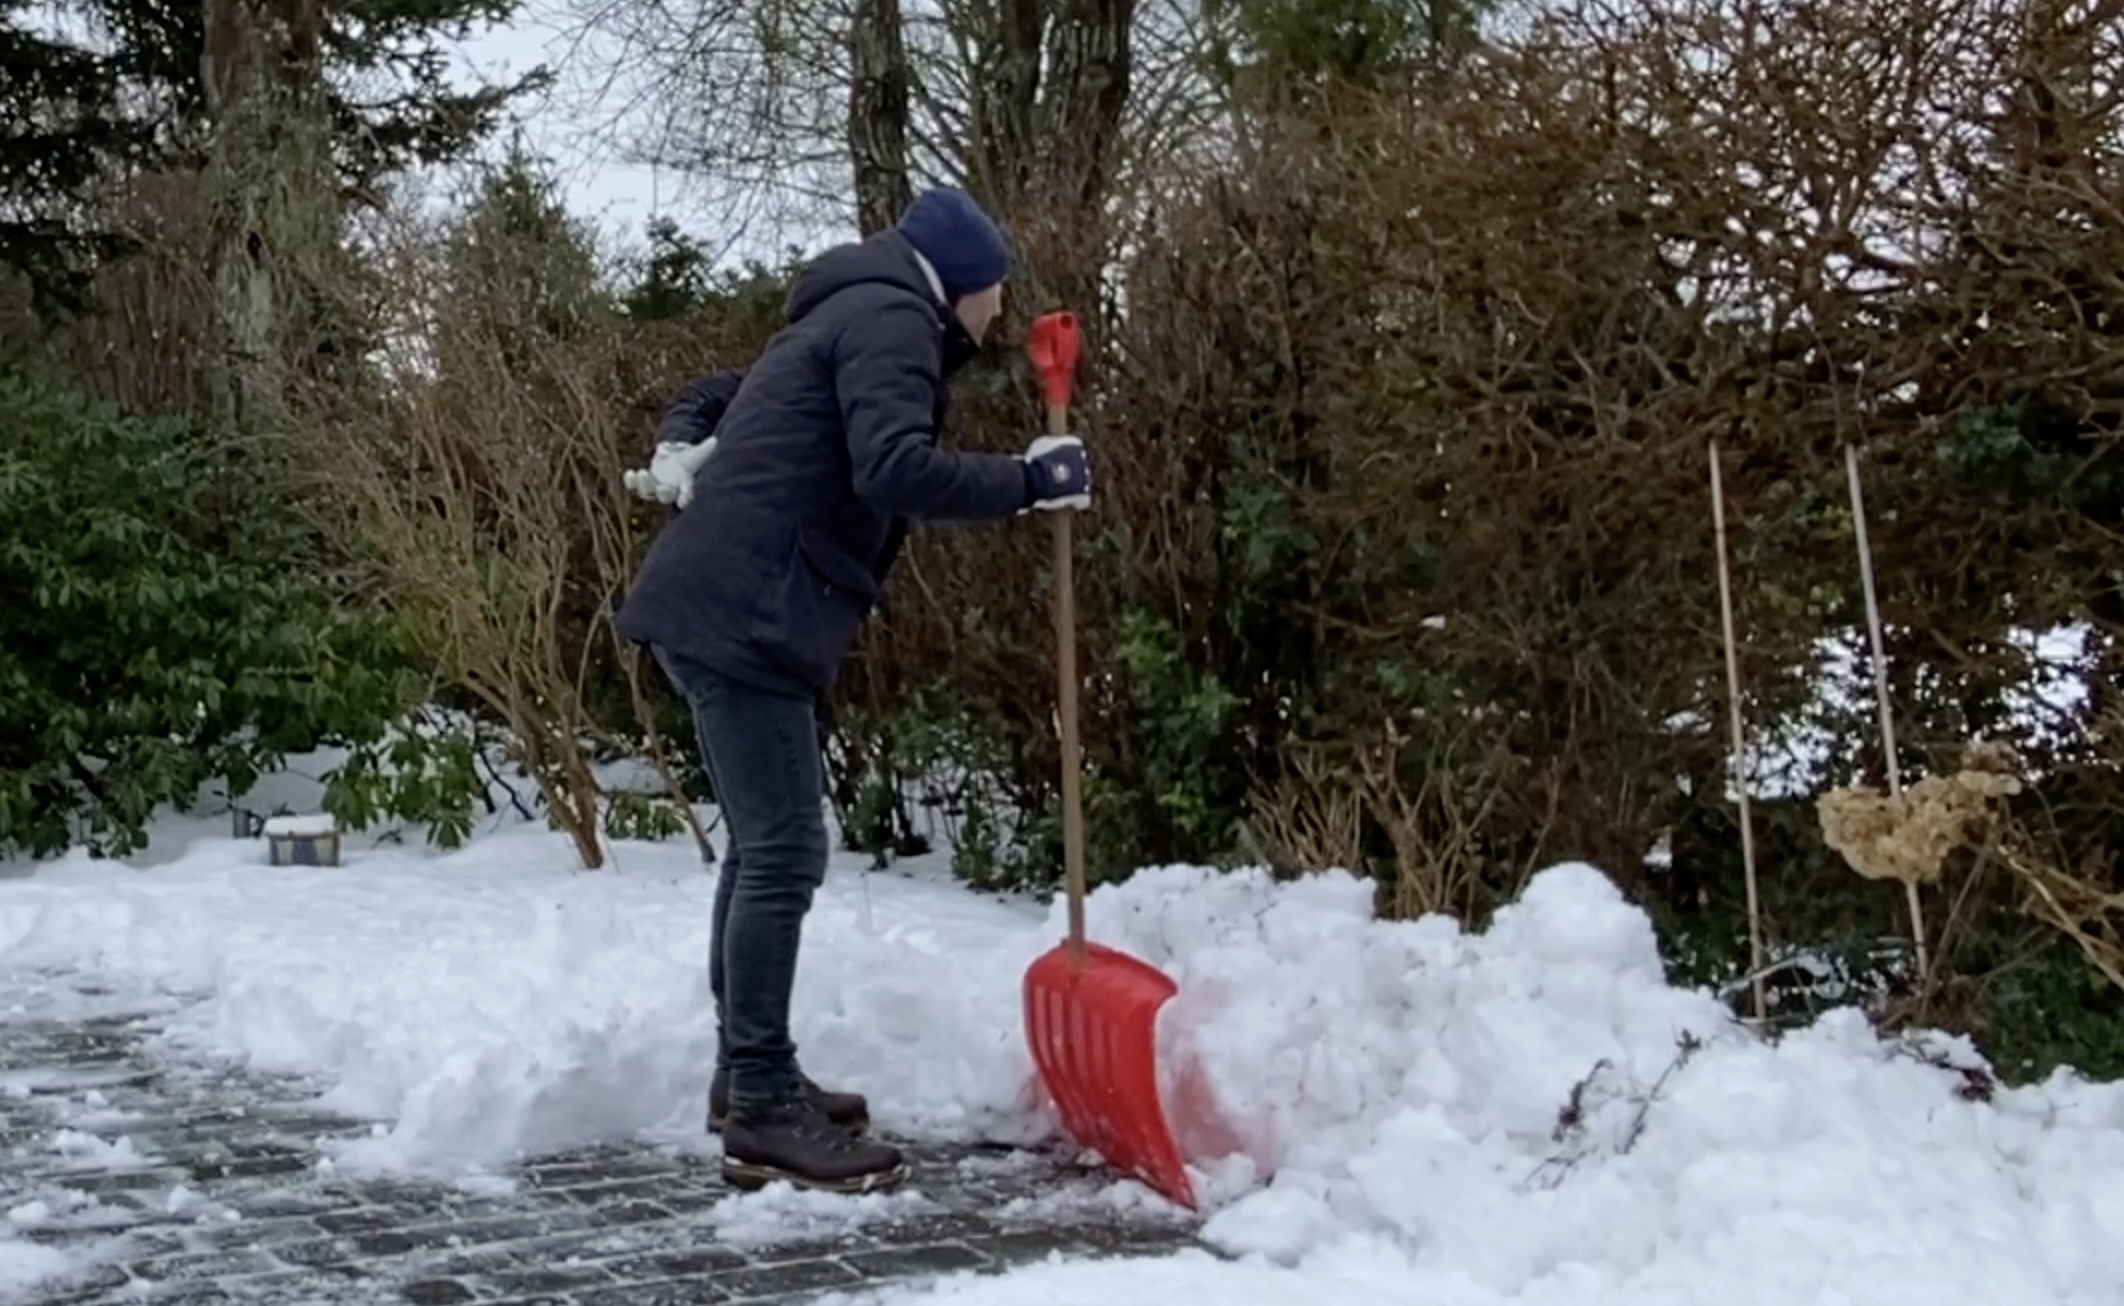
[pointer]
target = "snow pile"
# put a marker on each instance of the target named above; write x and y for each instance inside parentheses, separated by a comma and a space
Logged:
(1532, 1115)
(1351, 1275)
(1314, 1023)
(87, 1149)
(25, 1263)
(1357, 1274)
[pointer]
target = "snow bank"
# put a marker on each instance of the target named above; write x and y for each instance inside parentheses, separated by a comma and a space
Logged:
(1527, 1115)
(1314, 1023)
(495, 1001)
(1532, 1115)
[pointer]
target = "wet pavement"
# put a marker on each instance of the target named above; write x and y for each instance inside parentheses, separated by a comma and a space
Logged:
(165, 1179)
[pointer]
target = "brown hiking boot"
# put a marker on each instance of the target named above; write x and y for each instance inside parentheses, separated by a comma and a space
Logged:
(848, 1110)
(795, 1143)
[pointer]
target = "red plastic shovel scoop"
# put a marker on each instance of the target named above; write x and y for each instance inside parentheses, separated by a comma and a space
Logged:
(1091, 1012)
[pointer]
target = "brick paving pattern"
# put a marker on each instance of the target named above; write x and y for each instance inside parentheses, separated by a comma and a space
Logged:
(220, 1197)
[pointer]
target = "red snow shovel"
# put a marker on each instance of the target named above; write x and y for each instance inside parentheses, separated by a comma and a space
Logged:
(1091, 1012)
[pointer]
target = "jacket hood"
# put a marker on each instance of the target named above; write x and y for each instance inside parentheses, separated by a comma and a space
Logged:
(886, 259)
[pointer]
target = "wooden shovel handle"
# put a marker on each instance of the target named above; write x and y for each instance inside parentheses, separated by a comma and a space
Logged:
(1065, 612)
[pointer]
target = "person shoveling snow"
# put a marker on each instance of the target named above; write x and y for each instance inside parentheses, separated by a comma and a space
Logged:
(750, 597)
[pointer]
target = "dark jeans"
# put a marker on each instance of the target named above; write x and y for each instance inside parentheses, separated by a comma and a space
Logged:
(761, 751)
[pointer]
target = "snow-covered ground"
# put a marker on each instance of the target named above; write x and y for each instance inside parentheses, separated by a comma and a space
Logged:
(1528, 1115)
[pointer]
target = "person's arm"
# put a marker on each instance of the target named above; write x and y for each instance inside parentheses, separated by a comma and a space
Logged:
(685, 439)
(696, 410)
(888, 363)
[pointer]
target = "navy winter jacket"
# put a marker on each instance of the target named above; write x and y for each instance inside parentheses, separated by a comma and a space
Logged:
(827, 446)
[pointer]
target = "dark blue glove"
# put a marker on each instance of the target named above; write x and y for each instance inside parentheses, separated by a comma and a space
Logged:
(1057, 474)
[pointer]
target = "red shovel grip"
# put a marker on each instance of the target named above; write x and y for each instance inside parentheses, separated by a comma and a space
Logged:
(1053, 347)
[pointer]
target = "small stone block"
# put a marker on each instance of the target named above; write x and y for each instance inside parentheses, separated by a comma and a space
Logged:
(303, 840)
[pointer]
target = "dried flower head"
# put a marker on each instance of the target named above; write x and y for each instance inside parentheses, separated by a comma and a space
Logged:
(1909, 838)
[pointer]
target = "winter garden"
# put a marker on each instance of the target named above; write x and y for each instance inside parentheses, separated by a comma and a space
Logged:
(1598, 631)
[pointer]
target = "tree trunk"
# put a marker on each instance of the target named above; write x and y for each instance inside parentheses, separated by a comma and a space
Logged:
(275, 201)
(1005, 109)
(878, 115)
(1089, 57)
(1090, 53)
(1048, 94)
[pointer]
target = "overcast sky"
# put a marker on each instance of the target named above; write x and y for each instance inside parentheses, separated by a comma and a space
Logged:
(582, 138)
(619, 196)
(580, 128)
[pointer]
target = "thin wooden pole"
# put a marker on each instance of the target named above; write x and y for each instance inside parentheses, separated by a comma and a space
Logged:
(1742, 771)
(1880, 694)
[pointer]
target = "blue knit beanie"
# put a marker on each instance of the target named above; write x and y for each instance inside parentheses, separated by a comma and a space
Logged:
(959, 240)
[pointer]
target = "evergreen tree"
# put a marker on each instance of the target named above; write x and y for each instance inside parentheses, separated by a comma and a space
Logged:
(388, 96)
(61, 128)
(1289, 49)
(518, 269)
(71, 115)
(672, 278)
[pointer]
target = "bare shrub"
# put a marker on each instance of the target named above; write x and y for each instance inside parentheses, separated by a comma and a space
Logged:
(482, 488)
(145, 341)
(2078, 903)
(1400, 426)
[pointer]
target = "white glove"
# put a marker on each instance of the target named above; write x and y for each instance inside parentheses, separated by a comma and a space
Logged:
(669, 476)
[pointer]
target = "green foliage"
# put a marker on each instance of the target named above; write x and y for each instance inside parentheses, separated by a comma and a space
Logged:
(519, 271)
(2054, 1010)
(137, 102)
(985, 856)
(872, 824)
(2027, 453)
(961, 767)
(676, 279)
(164, 621)
(1281, 48)
(650, 817)
(670, 278)
(429, 777)
(1185, 787)
(2022, 990)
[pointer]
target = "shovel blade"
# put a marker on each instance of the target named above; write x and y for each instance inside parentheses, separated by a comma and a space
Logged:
(1092, 1031)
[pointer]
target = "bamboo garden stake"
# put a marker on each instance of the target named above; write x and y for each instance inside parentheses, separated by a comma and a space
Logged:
(1742, 771)
(1880, 693)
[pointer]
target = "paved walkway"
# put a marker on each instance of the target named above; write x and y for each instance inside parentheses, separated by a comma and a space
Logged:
(219, 1197)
